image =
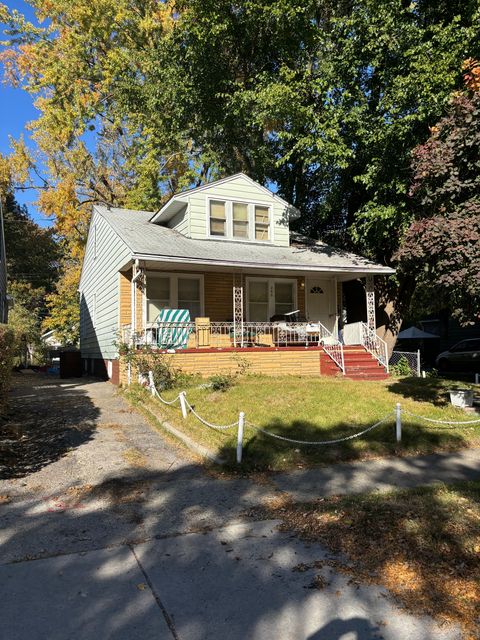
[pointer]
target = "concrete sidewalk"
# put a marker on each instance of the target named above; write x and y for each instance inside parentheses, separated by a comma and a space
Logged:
(242, 581)
(380, 475)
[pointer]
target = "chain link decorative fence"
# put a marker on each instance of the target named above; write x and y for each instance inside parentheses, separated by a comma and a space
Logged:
(405, 363)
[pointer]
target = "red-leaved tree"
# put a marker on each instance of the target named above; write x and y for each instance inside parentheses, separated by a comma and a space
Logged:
(442, 245)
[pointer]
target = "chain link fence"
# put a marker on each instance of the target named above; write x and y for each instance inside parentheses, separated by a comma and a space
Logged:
(405, 363)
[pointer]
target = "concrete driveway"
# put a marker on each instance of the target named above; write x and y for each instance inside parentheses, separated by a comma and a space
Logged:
(108, 531)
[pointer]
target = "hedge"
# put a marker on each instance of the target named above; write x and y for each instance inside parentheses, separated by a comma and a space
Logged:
(7, 352)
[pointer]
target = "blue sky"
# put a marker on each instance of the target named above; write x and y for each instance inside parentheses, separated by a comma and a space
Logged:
(16, 110)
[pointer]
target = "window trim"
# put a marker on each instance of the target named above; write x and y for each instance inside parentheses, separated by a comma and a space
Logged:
(271, 293)
(173, 302)
(229, 219)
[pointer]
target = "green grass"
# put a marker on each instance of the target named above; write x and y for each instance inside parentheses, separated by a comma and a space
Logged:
(316, 409)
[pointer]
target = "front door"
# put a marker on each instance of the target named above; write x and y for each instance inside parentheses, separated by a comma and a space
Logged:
(320, 302)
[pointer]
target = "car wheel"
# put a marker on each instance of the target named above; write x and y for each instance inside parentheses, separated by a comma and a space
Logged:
(443, 365)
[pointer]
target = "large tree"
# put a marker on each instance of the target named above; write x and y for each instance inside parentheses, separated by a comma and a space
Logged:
(324, 99)
(32, 260)
(442, 245)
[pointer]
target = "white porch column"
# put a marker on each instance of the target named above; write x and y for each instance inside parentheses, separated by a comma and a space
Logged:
(238, 310)
(138, 282)
(339, 305)
(370, 295)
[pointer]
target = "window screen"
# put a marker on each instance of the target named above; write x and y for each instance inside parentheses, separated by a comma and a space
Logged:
(217, 218)
(258, 301)
(261, 223)
(240, 220)
(284, 302)
(189, 296)
(158, 296)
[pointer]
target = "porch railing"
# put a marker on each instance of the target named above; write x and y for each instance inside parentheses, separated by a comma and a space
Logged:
(218, 335)
(374, 344)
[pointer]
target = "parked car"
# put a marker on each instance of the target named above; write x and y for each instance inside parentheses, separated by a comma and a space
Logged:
(463, 356)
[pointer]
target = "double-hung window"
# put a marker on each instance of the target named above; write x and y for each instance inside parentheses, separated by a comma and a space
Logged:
(173, 291)
(218, 218)
(158, 295)
(268, 297)
(262, 223)
(239, 220)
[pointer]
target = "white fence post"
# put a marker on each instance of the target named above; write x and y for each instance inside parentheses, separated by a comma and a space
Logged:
(418, 364)
(183, 404)
(151, 383)
(129, 374)
(241, 424)
(398, 422)
(477, 378)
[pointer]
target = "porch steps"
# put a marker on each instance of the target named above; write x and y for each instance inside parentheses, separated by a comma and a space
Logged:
(359, 365)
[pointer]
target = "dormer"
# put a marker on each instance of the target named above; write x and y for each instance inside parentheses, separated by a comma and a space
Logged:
(235, 209)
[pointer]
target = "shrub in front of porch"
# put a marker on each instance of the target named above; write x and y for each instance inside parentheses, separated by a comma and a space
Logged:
(317, 409)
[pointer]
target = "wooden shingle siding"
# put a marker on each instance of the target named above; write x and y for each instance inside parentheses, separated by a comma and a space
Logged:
(125, 293)
(105, 254)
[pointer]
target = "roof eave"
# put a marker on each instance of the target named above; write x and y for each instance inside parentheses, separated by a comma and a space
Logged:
(370, 269)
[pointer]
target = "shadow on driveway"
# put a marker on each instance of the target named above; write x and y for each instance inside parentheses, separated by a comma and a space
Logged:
(45, 420)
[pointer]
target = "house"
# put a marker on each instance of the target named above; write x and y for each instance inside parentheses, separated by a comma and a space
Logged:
(224, 253)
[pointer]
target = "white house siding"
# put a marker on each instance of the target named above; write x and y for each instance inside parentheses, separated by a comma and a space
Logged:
(244, 190)
(179, 222)
(99, 290)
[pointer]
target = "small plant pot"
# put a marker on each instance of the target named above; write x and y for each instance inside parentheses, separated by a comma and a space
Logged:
(461, 397)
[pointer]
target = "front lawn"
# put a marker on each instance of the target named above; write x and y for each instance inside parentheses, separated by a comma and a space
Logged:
(317, 409)
(423, 545)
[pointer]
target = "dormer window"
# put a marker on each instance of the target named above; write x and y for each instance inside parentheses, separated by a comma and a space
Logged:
(218, 218)
(239, 220)
(262, 224)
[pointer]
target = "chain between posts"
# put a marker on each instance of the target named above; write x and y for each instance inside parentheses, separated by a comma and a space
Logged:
(241, 423)
(320, 442)
(451, 422)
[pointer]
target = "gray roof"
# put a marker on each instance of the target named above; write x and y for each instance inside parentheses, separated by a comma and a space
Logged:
(152, 241)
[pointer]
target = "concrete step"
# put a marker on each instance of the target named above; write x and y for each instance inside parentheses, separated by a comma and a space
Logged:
(364, 375)
(363, 367)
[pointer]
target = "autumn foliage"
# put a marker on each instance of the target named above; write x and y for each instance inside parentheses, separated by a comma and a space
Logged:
(443, 243)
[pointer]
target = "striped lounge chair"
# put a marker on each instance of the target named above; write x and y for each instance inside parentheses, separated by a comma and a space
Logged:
(173, 328)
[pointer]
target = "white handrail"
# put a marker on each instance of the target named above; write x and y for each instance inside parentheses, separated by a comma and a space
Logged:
(375, 345)
(333, 350)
